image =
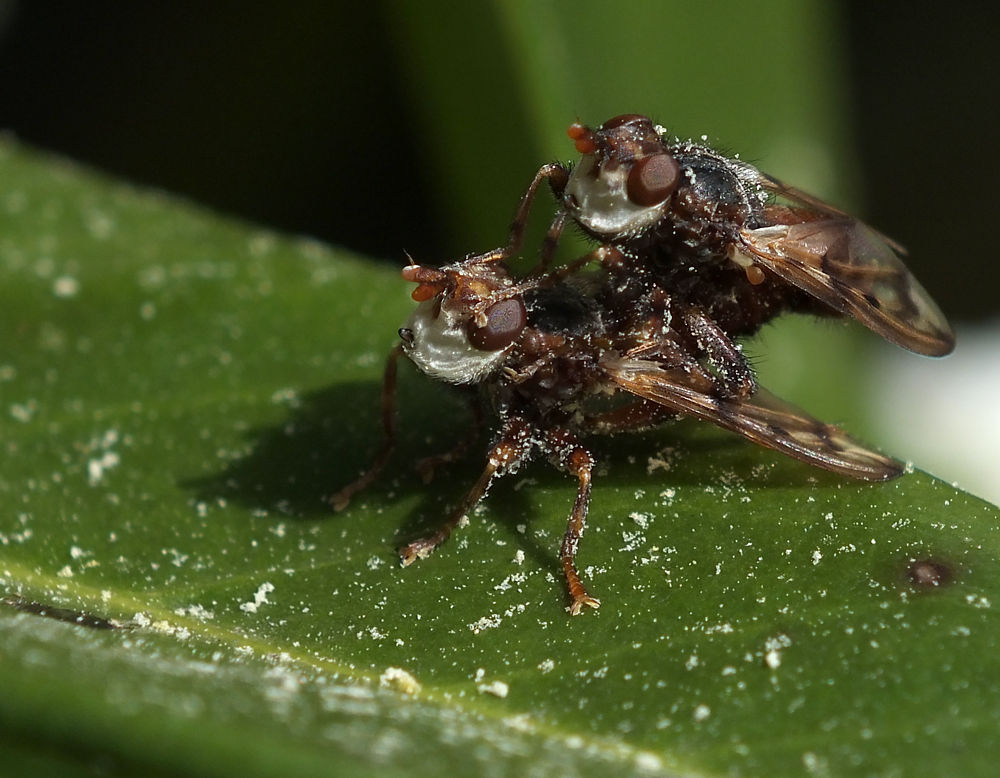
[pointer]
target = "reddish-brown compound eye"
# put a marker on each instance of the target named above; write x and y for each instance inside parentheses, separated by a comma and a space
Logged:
(653, 179)
(625, 118)
(504, 322)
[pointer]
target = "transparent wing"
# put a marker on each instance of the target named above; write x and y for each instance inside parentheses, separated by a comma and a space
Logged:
(855, 271)
(762, 418)
(783, 190)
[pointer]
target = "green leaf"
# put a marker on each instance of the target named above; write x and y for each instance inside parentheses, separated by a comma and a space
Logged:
(178, 395)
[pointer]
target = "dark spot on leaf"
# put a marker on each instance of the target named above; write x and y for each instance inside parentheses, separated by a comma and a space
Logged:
(929, 573)
(873, 301)
(59, 614)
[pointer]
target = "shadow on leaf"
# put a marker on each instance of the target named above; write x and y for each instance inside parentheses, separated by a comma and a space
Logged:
(330, 436)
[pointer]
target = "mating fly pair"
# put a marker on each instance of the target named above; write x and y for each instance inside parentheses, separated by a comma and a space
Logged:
(695, 250)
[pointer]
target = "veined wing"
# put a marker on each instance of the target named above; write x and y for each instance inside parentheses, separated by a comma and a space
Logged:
(797, 196)
(850, 267)
(762, 418)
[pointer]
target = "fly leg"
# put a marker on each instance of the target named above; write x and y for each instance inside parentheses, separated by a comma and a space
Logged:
(340, 499)
(558, 177)
(633, 417)
(511, 451)
(428, 465)
(569, 454)
(733, 371)
(550, 243)
(541, 276)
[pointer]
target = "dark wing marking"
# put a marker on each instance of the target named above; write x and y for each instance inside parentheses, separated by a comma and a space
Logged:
(762, 418)
(847, 265)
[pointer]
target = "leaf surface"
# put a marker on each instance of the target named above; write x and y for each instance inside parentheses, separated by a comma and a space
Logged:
(179, 394)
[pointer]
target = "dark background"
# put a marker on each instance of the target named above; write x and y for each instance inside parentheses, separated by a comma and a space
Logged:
(301, 117)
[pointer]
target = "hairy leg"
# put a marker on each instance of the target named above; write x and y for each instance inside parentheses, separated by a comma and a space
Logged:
(569, 454)
(550, 243)
(734, 374)
(511, 450)
(340, 499)
(633, 417)
(428, 465)
(558, 175)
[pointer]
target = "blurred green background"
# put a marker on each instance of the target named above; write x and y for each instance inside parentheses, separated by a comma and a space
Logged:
(398, 125)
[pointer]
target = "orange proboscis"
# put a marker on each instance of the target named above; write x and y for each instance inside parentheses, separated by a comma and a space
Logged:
(425, 292)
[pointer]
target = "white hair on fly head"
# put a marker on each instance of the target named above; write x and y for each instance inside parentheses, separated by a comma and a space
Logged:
(600, 203)
(438, 344)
